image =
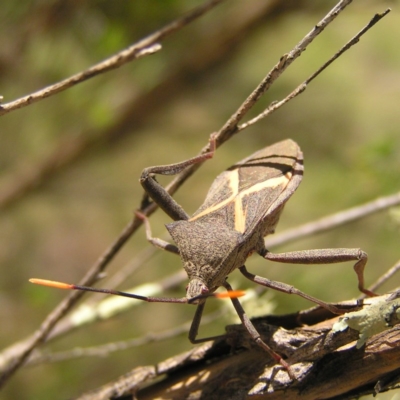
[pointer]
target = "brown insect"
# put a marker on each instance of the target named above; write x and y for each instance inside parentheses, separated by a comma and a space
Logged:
(242, 206)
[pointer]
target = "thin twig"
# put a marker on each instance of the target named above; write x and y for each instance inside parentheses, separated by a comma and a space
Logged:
(106, 349)
(385, 277)
(376, 18)
(334, 220)
(303, 86)
(110, 306)
(231, 127)
(15, 356)
(144, 47)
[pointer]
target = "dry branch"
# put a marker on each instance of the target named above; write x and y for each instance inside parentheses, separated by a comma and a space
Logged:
(334, 220)
(327, 365)
(303, 86)
(144, 47)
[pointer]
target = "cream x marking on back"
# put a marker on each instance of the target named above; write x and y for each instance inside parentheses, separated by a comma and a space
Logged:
(237, 197)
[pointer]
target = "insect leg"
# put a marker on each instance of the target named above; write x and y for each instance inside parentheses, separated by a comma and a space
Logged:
(326, 256)
(285, 288)
(194, 328)
(254, 333)
(162, 244)
(158, 193)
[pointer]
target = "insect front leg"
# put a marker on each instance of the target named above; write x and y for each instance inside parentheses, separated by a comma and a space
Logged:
(194, 327)
(158, 193)
(162, 244)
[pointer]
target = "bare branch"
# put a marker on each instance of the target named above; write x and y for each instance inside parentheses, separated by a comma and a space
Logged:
(15, 356)
(303, 86)
(106, 349)
(334, 220)
(230, 126)
(375, 19)
(311, 351)
(385, 277)
(146, 46)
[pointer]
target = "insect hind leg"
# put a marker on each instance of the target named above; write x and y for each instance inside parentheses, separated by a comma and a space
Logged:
(325, 256)
(285, 288)
(255, 335)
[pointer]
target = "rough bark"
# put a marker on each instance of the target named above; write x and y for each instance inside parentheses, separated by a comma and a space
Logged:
(326, 363)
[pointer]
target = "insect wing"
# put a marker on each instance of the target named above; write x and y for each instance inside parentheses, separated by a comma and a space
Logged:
(268, 179)
(246, 193)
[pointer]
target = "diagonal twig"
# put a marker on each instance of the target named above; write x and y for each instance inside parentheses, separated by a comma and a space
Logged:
(334, 220)
(144, 47)
(106, 349)
(385, 277)
(303, 86)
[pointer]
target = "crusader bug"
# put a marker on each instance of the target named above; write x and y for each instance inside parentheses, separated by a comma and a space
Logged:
(242, 206)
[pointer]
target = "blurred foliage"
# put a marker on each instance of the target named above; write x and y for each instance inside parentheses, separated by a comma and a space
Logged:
(346, 123)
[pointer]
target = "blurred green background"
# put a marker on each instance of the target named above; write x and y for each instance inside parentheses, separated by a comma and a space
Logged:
(161, 109)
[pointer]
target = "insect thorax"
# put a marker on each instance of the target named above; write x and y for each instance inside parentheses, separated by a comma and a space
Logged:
(208, 251)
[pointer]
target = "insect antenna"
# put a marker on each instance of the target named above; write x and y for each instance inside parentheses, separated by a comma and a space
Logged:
(68, 286)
